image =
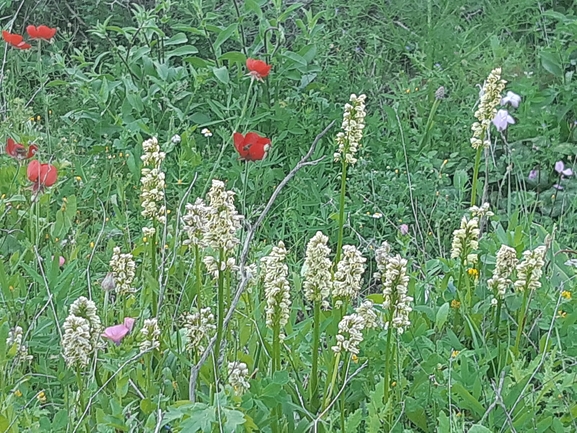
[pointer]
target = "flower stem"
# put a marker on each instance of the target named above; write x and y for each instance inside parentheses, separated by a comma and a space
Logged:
(476, 176)
(220, 301)
(153, 270)
(331, 386)
(341, 211)
(521, 320)
(198, 278)
(315, 354)
(388, 359)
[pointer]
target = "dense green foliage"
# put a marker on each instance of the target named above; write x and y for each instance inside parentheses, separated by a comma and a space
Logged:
(118, 73)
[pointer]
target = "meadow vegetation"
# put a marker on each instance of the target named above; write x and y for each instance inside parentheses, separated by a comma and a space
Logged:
(279, 216)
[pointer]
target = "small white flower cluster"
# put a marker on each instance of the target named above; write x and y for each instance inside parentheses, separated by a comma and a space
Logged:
(237, 376)
(123, 271)
(15, 339)
(481, 211)
(149, 335)
(82, 330)
(223, 220)
(396, 293)
(317, 270)
(350, 334)
(276, 287)
(490, 96)
(367, 312)
(505, 265)
(153, 182)
(198, 327)
(529, 271)
(148, 232)
(195, 222)
(349, 274)
(382, 255)
(212, 268)
(352, 129)
(466, 239)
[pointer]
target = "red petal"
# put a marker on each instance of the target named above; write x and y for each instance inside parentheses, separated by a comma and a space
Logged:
(32, 32)
(238, 139)
(48, 175)
(23, 46)
(33, 171)
(258, 67)
(32, 149)
(46, 32)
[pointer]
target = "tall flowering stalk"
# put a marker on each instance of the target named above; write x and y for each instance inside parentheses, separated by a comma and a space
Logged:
(490, 98)
(317, 287)
(195, 223)
(529, 272)
(348, 277)
(392, 272)
(222, 226)
(464, 246)
(81, 339)
(277, 296)
(348, 141)
(152, 199)
(500, 281)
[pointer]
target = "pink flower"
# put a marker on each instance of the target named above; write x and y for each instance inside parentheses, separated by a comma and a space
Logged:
(404, 229)
(502, 120)
(560, 168)
(511, 98)
(117, 333)
(61, 261)
(533, 174)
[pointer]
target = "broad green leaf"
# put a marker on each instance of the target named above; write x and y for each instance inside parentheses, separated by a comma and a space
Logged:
(224, 35)
(184, 51)
(478, 428)
(442, 314)
(551, 62)
(177, 39)
(221, 74)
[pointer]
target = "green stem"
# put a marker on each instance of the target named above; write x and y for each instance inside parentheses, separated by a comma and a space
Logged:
(153, 270)
(476, 175)
(521, 319)
(341, 211)
(220, 301)
(315, 354)
(429, 125)
(331, 386)
(274, 368)
(388, 358)
(198, 281)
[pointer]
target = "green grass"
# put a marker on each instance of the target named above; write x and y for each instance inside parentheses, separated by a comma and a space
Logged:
(115, 76)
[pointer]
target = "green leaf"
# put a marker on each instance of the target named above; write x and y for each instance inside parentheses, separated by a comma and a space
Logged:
(177, 39)
(353, 421)
(442, 314)
(295, 58)
(224, 35)
(443, 423)
(468, 401)
(478, 428)
(221, 74)
(185, 50)
(233, 57)
(234, 418)
(551, 62)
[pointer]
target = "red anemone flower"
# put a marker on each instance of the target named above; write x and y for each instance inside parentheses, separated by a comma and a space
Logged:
(257, 68)
(41, 32)
(251, 147)
(43, 175)
(18, 151)
(17, 41)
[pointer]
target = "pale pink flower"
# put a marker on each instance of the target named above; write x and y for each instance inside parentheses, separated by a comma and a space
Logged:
(560, 168)
(117, 333)
(61, 261)
(511, 98)
(404, 229)
(502, 120)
